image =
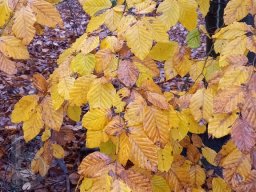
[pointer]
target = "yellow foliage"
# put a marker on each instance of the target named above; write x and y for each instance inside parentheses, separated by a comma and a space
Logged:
(170, 12)
(96, 119)
(32, 126)
(100, 94)
(5, 12)
(46, 14)
(140, 125)
(23, 25)
(10, 46)
(92, 7)
(139, 39)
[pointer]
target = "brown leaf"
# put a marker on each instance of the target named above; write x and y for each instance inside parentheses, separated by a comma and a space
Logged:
(65, 135)
(52, 118)
(193, 154)
(127, 73)
(115, 127)
(228, 100)
(137, 181)
(157, 99)
(196, 140)
(93, 163)
(249, 111)
(40, 82)
(237, 60)
(243, 135)
(7, 65)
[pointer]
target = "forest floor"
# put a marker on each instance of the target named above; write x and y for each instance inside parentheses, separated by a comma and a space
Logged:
(15, 154)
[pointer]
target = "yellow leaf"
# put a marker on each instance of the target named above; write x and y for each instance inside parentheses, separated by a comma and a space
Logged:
(100, 94)
(113, 18)
(96, 119)
(108, 148)
(134, 111)
(232, 31)
(23, 28)
(219, 185)
(204, 6)
(163, 51)
(93, 138)
(5, 12)
(158, 29)
(95, 23)
(236, 46)
(105, 62)
(169, 69)
(201, 104)
(178, 176)
(46, 135)
(112, 43)
(32, 126)
(78, 93)
(7, 65)
(181, 61)
(179, 125)
(236, 10)
(165, 158)
(78, 44)
(91, 6)
(147, 66)
(46, 13)
(86, 184)
(156, 125)
(10, 46)
(124, 149)
(74, 113)
(64, 86)
(194, 127)
(220, 124)
(188, 13)
(57, 99)
(24, 109)
(145, 7)
(197, 175)
(125, 24)
(102, 183)
(52, 118)
(58, 151)
(65, 55)
(143, 150)
(159, 184)
(118, 104)
(210, 155)
(234, 76)
(170, 12)
(139, 39)
(83, 64)
(90, 44)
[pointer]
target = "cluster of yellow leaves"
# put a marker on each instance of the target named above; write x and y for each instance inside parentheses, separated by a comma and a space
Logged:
(25, 16)
(130, 118)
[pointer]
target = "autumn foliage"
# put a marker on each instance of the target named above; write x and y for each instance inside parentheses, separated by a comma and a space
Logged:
(148, 137)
